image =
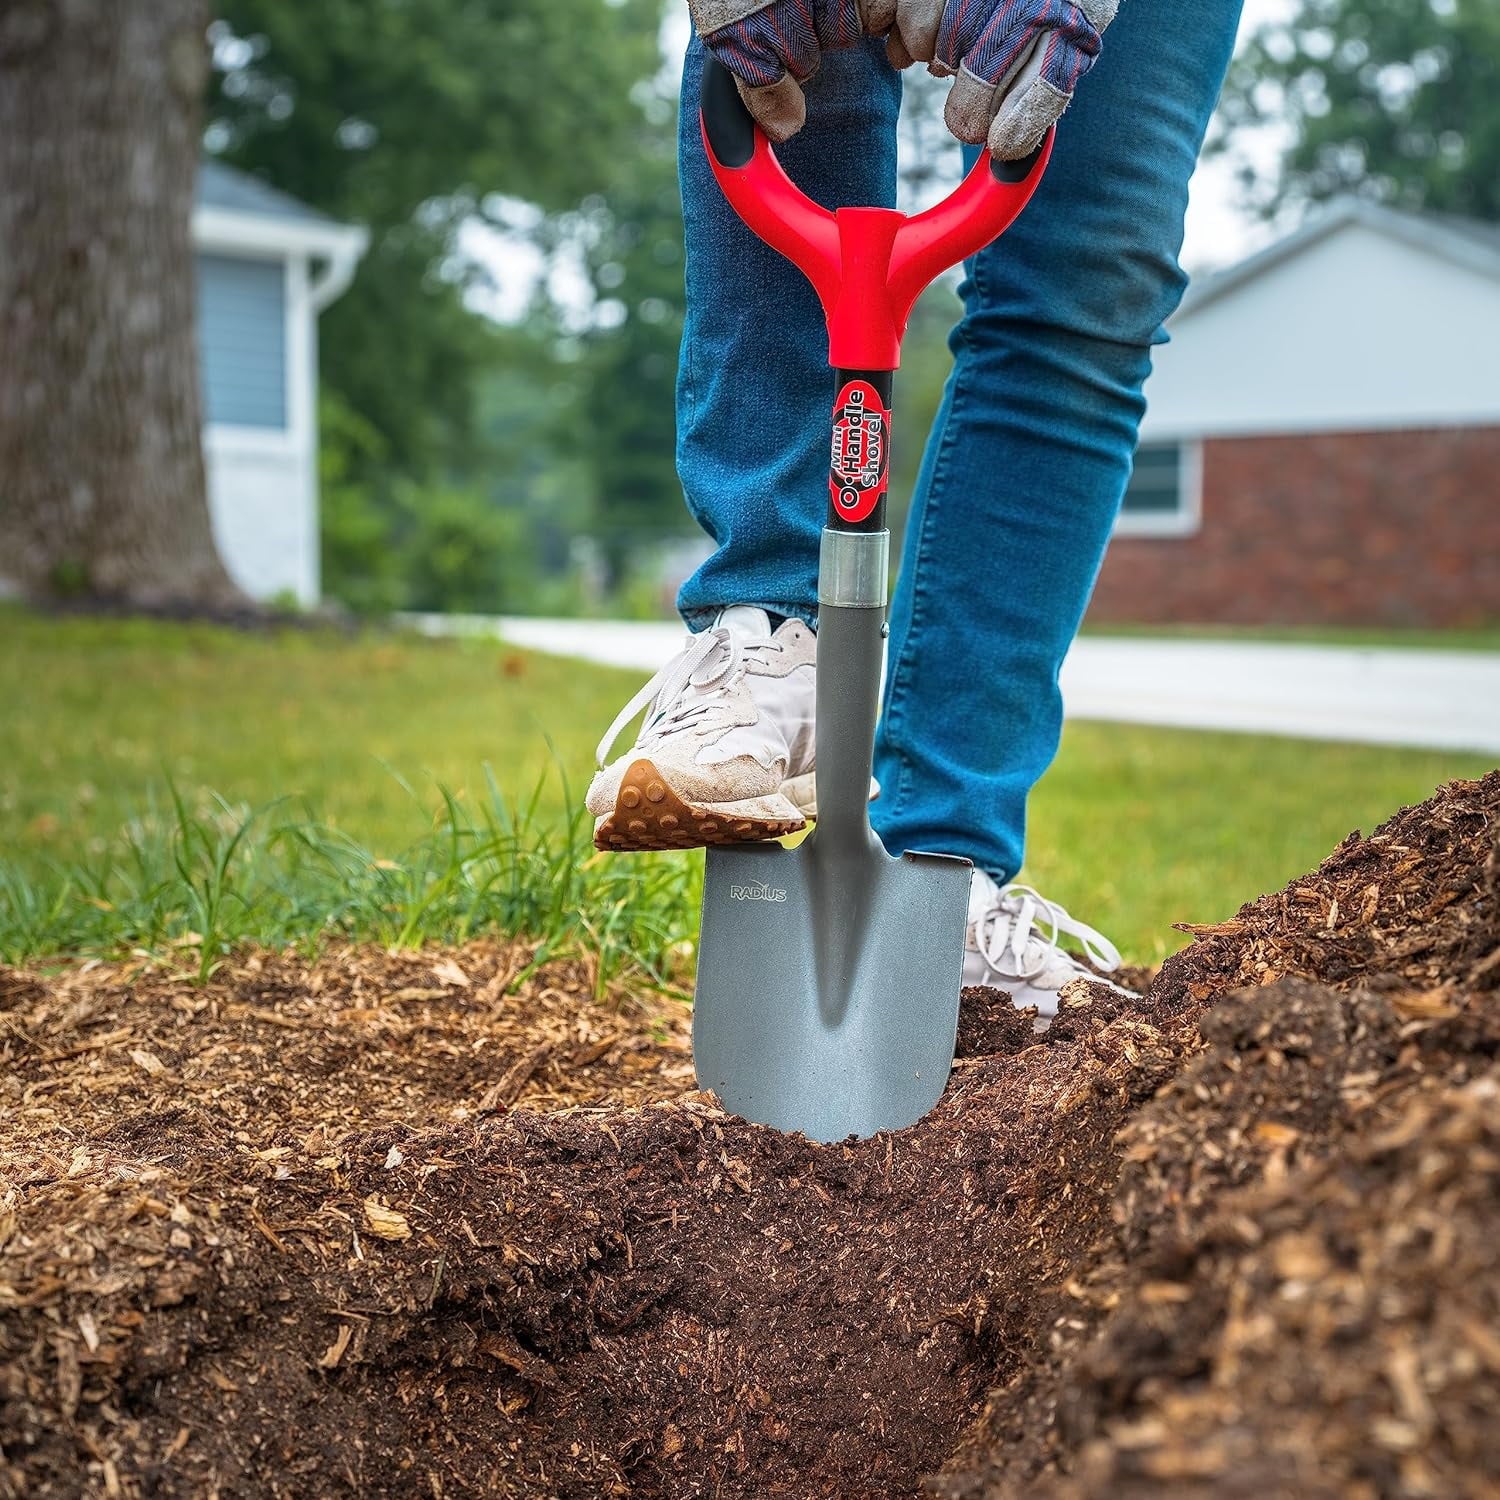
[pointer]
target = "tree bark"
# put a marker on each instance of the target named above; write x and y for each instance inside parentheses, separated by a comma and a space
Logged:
(102, 486)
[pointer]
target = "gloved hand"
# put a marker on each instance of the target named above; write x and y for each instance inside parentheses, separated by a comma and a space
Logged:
(772, 47)
(1018, 61)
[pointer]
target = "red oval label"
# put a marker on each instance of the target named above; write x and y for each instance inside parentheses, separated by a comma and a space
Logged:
(858, 470)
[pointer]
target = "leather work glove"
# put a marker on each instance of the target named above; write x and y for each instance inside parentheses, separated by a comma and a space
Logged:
(1017, 61)
(774, 46)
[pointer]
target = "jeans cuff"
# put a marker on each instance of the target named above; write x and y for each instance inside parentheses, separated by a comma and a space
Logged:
(703, 617)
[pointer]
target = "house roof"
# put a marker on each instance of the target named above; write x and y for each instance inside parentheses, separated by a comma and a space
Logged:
(225, 187)
(1465, 242)
(238, 214)
(1487, 235)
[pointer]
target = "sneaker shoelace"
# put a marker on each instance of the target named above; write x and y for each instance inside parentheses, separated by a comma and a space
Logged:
(691, 687)
(1028, 929)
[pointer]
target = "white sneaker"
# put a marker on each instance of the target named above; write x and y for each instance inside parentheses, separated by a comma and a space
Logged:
(1014, 944)
(725, 754)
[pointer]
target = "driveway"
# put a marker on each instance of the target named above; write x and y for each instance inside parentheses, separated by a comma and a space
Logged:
(1446, 700)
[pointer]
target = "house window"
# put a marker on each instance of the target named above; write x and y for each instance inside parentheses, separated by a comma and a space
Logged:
(242, 340)
(1164, 496)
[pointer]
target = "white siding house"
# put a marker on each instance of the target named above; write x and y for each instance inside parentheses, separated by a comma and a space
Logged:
(267, 266)
(1366, 319)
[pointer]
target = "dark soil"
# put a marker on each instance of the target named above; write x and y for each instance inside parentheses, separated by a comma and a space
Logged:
(308, 1230)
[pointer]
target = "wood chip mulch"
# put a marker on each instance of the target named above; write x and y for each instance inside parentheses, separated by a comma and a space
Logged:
(407, 1226)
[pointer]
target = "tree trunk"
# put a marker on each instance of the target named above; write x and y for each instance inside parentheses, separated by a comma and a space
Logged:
(102, 487)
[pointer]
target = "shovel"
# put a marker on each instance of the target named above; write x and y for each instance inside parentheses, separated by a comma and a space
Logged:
(828, 973)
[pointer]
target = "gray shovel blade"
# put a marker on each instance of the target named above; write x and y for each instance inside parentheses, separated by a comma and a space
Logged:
(828, 979)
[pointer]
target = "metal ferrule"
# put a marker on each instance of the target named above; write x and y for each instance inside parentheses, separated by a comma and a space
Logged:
(854, 568)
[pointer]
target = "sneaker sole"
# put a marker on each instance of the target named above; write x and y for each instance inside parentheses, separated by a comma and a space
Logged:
(648, 814)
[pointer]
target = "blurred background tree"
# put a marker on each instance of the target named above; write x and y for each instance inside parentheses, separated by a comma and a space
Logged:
(425, 120)
(1398, 100)
(618, 422)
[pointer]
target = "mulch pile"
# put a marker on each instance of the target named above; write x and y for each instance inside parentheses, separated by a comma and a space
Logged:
(415, 1226)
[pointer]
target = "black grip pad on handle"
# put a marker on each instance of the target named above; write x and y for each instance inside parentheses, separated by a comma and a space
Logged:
(1018, 170)
(730, 127)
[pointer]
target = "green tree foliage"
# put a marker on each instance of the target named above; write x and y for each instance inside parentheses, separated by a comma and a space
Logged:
(429, 546)
(620, 421)
(417, 117)
(1395, 99)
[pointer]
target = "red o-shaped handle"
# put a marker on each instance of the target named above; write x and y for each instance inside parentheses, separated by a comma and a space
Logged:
(868, 265)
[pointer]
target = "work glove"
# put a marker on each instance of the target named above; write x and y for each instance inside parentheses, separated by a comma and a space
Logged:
(1017, 61)
(774, 48)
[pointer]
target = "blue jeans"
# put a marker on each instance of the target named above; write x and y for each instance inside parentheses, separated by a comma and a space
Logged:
(1031, 449)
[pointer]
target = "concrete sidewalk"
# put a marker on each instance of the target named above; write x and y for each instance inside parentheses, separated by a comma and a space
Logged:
(1447, 700)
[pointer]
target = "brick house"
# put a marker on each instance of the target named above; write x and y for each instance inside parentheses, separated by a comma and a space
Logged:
(1322, 444)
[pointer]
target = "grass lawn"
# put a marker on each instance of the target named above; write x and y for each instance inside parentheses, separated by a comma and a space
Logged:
(343, 747)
